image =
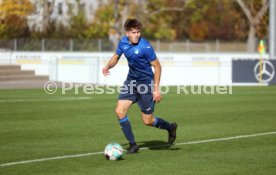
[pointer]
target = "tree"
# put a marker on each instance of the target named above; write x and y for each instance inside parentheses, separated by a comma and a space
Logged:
(158, 17)
(13, 18)
(123, 9)
(47, 9)
(254, 11)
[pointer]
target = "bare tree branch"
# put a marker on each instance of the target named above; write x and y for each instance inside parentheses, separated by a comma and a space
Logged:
(166, 9)
(261, 13)
(245, 10)
(253, 20)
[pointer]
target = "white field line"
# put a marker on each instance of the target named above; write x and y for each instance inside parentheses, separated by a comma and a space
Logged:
(143, 148)
(46, 99)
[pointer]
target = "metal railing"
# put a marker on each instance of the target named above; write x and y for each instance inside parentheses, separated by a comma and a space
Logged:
(55, 44)
(90, 45)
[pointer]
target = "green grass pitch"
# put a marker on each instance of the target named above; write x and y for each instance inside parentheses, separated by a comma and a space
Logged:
(34, 125)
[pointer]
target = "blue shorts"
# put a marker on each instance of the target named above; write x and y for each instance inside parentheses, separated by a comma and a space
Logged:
(140, 93)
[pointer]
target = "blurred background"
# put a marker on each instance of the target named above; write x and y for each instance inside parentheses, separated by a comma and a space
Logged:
(207, 42)
(97, 25)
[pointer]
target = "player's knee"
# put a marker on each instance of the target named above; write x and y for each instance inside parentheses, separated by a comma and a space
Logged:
(121, 113)
(148, 121)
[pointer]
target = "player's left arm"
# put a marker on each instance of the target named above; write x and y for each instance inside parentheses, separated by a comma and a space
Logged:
(157, 75)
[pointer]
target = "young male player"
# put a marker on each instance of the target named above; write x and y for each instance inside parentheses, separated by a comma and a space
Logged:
(138, 85)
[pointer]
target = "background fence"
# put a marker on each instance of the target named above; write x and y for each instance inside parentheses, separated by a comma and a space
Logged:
(105, 45)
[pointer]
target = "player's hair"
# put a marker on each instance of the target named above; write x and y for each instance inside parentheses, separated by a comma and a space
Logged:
(132, 24)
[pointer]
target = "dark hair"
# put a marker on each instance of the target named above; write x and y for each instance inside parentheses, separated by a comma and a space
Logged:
(132, 24)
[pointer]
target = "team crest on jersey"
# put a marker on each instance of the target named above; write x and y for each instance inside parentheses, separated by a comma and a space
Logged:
(136, 51)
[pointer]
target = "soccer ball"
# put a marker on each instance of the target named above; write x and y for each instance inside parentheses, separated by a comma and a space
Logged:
(113, 151)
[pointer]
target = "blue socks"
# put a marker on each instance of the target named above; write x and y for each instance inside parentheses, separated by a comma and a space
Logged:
(126, 128)
(162, 124)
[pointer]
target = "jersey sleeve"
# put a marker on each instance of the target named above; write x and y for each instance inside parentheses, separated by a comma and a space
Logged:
(119, 50)
(150, 53)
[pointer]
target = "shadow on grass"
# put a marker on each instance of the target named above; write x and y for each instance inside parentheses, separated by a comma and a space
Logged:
(154, 145)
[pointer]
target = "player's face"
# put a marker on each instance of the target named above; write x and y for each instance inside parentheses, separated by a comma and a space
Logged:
(134, 35)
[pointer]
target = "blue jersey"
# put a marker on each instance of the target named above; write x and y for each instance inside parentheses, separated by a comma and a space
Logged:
(139, 57)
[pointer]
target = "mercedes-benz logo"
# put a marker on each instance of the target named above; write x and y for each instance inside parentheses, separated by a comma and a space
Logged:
(267, 72)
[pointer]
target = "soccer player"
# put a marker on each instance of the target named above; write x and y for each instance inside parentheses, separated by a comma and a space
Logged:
(141, 85)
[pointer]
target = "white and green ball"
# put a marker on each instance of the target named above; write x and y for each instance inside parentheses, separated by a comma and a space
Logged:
(113, 151)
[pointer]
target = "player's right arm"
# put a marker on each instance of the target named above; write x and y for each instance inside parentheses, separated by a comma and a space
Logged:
(111, 63)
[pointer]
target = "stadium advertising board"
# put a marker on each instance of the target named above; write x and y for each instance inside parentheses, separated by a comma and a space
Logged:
(254, 71)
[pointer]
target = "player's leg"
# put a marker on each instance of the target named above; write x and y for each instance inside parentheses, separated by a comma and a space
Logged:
(151, 120)
(122, 108)
(126, 99)
(157, 122)
(145, 102)
(121, 112)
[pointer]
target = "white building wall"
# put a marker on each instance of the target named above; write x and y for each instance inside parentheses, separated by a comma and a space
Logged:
(35, 20)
